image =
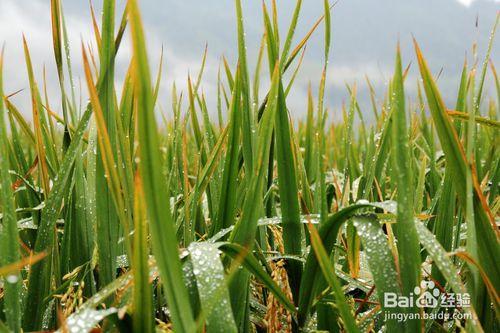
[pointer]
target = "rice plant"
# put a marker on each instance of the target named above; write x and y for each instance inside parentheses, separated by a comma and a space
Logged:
(239, 218)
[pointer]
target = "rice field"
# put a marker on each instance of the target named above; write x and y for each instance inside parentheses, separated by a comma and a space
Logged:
(117, 216)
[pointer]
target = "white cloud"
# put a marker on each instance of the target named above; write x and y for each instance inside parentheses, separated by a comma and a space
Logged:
(33, 20)
(467, 3)
(349, 73)
(183, 54)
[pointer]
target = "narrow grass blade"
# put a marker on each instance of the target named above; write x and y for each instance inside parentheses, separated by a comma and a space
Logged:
(9, 238)
(39, 281)
(246, 227)
(108, 226)
(286, 161)
(328, 233)
(212, 289)
(442, 260)
(227, 203)
(481, 225)
(329, 273)
(155, 184)
(143, 297)
(408, 247)
(237, 252)
(38, 121)
(380, 261)
(247, 123)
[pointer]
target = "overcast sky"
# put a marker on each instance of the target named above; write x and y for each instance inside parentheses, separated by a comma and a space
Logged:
(364, 35)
